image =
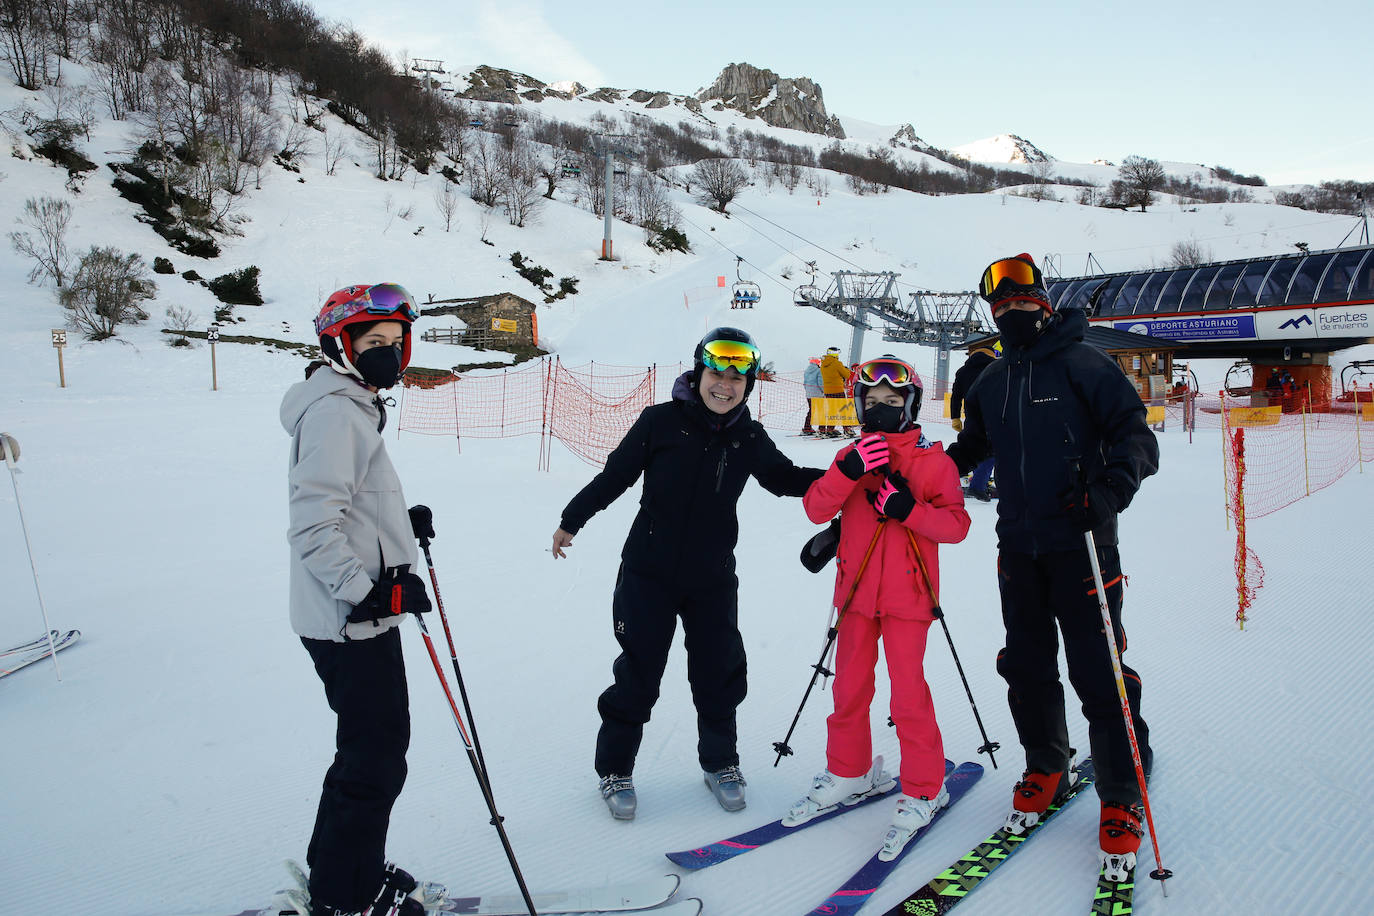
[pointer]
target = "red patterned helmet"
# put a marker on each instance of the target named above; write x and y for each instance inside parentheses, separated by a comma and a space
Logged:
(362, 304)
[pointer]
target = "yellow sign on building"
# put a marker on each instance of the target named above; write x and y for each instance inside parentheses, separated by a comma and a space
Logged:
(504, 324)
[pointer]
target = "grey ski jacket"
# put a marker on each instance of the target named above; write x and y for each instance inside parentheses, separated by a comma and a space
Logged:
(348, 518)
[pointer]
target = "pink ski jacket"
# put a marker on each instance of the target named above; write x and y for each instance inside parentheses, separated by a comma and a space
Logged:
(891, 585)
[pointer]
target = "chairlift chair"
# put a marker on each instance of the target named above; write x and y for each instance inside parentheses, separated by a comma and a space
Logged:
(1234, 389)
(807, 294)
(745, 294)
(1353, 370)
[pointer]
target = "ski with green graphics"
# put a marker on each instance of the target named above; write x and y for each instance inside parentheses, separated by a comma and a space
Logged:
(941, 893)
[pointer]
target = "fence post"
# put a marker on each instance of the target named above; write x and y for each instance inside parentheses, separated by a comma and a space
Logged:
(1359, 418)
(1225, 457)
(1306, 470)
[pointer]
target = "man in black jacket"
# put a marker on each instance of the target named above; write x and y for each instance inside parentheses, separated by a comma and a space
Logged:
(1071, 444)
(980, 357)
(696, 452)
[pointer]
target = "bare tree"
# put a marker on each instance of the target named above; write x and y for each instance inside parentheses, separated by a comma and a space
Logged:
(1189, 253)
(26, 42)
(48, 217)
(649, 203)
(1141, 178)
(446, 202)
(519, 180)
(484, 172)
(106, 290)
(721, 180)
(179, 321)
(333, 150)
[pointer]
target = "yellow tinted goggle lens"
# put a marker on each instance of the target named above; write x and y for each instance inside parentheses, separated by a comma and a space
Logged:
(894, 373)
(1013, 270)
(730, 354)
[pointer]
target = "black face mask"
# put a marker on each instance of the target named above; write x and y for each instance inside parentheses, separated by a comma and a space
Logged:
(380, 367)
(1020, 329)
(884, 418)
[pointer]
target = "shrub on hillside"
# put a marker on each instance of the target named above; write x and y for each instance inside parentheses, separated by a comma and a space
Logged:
(238, 287)
(106, 290)
(163, 266)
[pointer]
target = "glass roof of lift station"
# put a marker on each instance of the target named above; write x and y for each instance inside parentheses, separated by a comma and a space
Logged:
(1306, 278)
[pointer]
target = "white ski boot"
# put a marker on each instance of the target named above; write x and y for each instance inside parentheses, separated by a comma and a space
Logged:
(829, 792)
(619, 793)
(911, 815)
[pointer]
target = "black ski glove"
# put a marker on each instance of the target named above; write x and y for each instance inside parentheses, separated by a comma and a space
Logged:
(1090, 504)
(821, 548)
(893, 499)
(399, 591)
(422, 523)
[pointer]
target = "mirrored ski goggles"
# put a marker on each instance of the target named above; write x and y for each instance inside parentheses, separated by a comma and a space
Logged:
(382, 299)
(730, 354)
(892, 371)
(1012, 271)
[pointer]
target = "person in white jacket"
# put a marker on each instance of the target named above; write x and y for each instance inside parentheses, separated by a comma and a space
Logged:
(352, 544)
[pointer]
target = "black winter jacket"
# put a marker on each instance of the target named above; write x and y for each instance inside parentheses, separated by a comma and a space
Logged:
(1049, 412)
(964, 378)
(695, 464)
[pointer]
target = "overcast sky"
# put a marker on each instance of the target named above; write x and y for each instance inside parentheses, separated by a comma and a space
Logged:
(1277, 89)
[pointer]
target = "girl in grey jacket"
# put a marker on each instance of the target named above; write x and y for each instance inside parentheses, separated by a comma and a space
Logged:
(352, 549)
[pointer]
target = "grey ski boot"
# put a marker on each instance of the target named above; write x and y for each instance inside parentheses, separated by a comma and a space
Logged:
(619, 793)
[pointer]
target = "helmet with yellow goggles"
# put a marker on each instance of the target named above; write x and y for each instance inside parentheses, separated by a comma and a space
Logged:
(723, 349)
(1013, 278)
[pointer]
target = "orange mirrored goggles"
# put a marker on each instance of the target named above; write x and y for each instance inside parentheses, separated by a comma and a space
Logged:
(730, 354)
(1010, 271)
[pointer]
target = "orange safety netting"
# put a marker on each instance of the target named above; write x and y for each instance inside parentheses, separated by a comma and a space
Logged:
(1278, 462)
(590, 409)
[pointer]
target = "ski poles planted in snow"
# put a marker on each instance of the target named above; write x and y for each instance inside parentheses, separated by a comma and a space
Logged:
(782, 747)
(1160, 874)
(10, 448)
(479, 768)
(452, 651)
(988, 746)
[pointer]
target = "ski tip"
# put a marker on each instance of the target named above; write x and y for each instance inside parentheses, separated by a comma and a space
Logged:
(970, 766)
(677, 883)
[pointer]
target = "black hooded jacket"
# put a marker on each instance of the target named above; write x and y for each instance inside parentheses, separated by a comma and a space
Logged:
(1050, 412)
(964, 378)
(695, 464)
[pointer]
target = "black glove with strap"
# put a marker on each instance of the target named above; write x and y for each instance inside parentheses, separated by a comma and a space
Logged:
(893, 499)
(1090, 504)
(399, 591)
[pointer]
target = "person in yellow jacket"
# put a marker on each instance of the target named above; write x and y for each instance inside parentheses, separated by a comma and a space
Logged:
(834, 376)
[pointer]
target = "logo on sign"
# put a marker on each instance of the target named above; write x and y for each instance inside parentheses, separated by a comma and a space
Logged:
(1296, 322)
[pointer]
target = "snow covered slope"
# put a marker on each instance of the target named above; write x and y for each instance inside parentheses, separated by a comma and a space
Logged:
(179, 759)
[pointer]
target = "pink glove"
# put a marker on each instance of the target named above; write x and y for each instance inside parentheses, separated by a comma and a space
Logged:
(868, 454)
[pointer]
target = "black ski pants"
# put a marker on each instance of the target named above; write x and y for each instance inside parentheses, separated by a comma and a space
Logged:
(1039, 592)
(644, 613)
(365, 683)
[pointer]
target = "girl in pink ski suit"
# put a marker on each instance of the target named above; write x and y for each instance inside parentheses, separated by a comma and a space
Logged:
(916, 491)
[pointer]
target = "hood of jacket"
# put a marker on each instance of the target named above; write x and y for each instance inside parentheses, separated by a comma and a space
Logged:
(690, 398)
(322, 383)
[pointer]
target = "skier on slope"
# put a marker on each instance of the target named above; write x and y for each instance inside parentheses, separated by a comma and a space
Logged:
(980, 357)
(895, 478)
(1072, 446)
(834, 375)
(696, 452)
(352, 549)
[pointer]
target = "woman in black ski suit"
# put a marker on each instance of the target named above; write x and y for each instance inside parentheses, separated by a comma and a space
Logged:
(696, 452)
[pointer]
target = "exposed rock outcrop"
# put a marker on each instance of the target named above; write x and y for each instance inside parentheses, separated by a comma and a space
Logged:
(492, 84)
(906, 137)
(792, 103)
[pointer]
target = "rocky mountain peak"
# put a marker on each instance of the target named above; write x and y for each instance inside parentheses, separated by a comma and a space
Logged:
(795, 103)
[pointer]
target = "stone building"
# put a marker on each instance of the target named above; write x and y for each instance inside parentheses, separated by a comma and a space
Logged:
(499, 321)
